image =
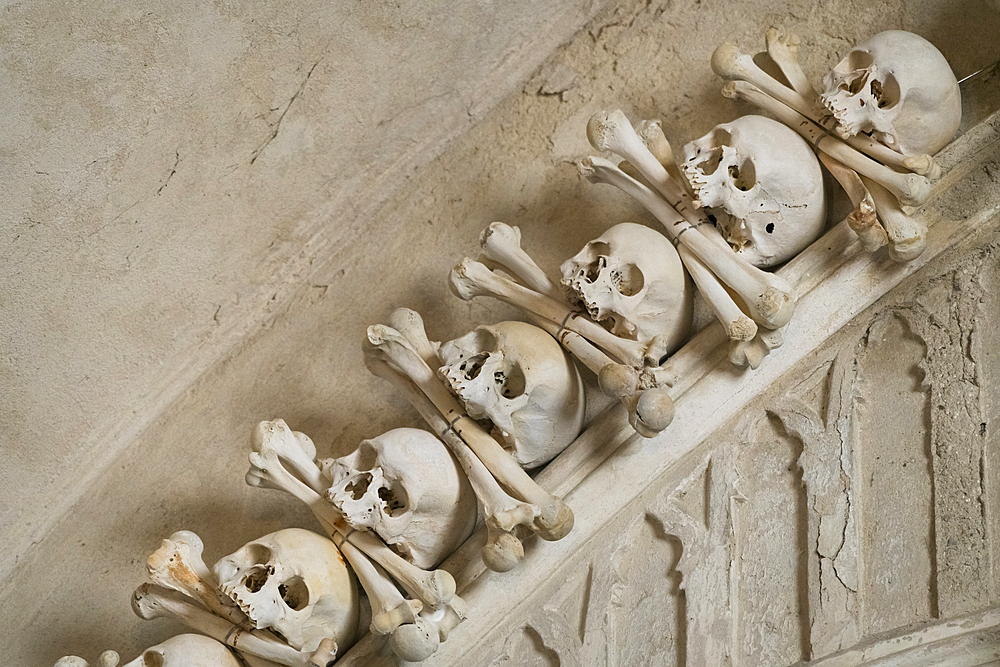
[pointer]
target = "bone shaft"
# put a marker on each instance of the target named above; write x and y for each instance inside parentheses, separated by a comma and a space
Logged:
(521, 265)
(484, 485)
(250, 641)
(734, 321)
(628, 352)
(785, 56)
(497, 461)
(382, 593)
(847, 177)
(749, 282)
(586, 352)
(796, 101)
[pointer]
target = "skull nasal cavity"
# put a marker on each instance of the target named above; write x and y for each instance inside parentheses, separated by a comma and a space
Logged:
(470, 369)
(257, 577)
(294, 593)
(358, 486)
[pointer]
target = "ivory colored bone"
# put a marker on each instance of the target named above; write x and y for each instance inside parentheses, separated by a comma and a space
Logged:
(676, 191)
(178, 565)
(730, 64)
(907, 236)
(392, 614)
(910, 189)
(150, 601)
(502, 512)
(106, 659)
(652, 136)
(610, 130)
(471, 278)
(863, 219)
(783, 49)
(897, 87)
(555, 519)
(751, 353)
(505, 249)
(737, 325)
(296, 449)
(767, 296)
(434, 588)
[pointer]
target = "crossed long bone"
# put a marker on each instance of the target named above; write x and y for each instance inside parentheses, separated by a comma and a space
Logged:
(405, 357)
(416, 626)
(634, 382)
(867, 170)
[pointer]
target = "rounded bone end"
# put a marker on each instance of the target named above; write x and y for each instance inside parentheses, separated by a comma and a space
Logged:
(653, 412)
(777, 307)
(908, 249)
(557, 528)
(742, 328)
(923, 165)
(415, 642)
(462, 280)
(618, 381)
(603, 128)
(726, 61)
(503, 552)
(915, 191)
(142, 605)
(442, 586)
(500, 234)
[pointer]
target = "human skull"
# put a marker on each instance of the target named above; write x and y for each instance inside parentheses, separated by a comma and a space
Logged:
(406, 487)
(762, 183)
(898, 88)
(294, 582)
(187, 650)
(631, 280)
(517, 376)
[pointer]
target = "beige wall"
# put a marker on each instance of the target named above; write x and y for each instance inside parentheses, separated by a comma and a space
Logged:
(173, 171)
(204, 205)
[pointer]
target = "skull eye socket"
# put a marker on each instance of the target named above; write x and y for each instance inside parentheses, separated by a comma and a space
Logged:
(859, 60)
(294, 593)
(886, 92)
(628, 280)
(255, 579)
(510, 383)
(394, 499)
(743, 177)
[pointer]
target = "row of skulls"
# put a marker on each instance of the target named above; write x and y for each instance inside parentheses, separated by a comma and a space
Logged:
(764, 187)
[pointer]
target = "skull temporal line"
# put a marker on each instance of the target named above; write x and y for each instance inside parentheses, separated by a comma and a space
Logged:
(518, 377)
(762, 183)
(631, 280)
(295, 583)
(898, 88)
(407, 488)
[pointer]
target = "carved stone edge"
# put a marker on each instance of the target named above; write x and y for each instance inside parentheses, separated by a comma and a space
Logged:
(835, 279)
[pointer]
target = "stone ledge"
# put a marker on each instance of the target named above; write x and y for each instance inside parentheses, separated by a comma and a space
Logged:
(835, 281)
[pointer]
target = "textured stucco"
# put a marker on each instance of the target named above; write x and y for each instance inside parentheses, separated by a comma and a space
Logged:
(204, 206)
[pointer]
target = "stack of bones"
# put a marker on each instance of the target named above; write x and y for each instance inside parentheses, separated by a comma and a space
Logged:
(508, 397)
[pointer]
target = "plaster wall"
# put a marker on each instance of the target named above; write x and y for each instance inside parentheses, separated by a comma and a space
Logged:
(207, 205)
